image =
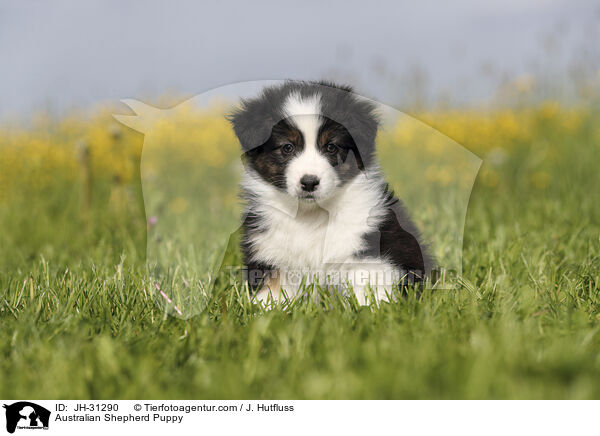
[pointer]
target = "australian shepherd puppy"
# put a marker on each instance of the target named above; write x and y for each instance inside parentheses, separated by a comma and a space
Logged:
(317, 208)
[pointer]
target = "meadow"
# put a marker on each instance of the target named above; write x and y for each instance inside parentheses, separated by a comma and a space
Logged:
(81, 318)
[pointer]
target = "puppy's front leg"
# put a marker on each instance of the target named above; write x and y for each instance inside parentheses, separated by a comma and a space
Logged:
(371, 279)
(270, 291)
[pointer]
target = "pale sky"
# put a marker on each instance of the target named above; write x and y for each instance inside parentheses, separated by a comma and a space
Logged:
(64, 54)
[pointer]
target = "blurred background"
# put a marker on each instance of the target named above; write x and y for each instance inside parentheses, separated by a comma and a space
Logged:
(61, 55)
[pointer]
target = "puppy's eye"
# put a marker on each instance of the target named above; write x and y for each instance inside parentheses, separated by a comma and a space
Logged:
(331, 148)
(287, 148)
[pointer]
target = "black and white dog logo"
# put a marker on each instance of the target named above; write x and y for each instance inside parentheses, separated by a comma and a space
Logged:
(26, 415)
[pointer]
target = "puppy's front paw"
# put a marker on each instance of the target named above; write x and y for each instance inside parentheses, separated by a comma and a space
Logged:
(270, 294)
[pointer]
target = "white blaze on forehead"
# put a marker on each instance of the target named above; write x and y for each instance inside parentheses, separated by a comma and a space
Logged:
(305, 113)
(296, 104)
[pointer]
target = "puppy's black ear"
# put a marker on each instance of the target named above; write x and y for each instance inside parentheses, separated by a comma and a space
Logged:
(252, 123)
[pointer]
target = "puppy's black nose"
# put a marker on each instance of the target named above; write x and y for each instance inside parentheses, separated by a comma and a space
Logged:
(309, 183)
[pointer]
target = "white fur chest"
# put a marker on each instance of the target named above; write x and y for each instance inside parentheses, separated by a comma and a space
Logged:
(311, 236)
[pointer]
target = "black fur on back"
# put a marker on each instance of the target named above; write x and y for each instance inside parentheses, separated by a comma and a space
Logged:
(398, 240)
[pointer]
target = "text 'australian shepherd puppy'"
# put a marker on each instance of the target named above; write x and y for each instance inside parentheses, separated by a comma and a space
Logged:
(317, 209)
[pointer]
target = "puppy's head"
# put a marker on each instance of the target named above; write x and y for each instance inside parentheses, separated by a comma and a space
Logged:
(307, 139)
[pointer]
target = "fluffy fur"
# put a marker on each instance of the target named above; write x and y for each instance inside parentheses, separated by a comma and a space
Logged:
(316, 204)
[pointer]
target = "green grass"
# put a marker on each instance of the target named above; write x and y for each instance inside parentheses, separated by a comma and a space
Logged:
(77, 320)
